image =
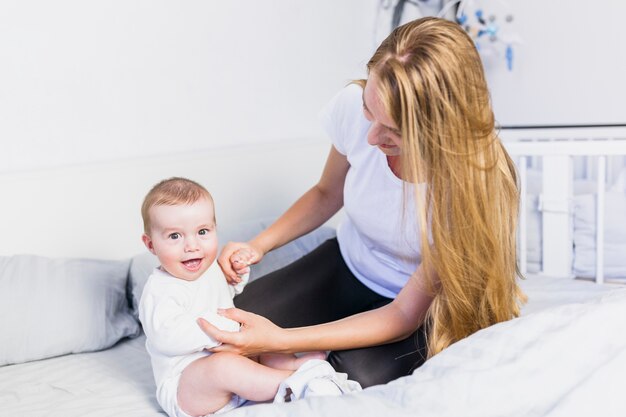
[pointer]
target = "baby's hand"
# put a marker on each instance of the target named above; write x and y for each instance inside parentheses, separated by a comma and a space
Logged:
(241, 260)
(235, 260)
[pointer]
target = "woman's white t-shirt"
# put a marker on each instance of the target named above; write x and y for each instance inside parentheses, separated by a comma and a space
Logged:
(379, 237)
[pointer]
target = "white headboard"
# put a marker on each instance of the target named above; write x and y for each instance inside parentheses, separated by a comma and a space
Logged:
(94, 210)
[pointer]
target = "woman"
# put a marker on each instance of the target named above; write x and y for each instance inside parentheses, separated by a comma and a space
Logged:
(427, 254)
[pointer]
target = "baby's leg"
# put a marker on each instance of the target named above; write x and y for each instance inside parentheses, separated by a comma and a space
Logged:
(288, 362)
(207, 384)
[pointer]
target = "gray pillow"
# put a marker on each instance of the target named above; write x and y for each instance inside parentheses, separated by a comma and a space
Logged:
(52, 307)
(291, 252)
(142, 265)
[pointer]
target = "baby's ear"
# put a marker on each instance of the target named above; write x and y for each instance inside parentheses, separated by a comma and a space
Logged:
(148, 242)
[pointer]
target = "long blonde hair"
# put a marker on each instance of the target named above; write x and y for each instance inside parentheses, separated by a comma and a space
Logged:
(432, 84)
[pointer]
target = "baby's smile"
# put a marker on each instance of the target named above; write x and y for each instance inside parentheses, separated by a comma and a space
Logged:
(192, 264)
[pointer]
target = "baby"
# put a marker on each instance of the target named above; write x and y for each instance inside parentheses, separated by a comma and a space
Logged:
(180, 229)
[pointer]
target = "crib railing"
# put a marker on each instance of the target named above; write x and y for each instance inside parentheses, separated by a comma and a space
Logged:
(556, 147)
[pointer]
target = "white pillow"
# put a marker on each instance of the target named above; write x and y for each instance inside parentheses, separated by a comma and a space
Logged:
(614, 235)
(291, 252)
(52, 307)
(584, 226)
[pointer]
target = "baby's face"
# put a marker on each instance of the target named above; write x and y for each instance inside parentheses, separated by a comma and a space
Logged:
(184, 238)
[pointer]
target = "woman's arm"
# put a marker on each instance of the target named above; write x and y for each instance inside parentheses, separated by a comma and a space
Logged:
(392, 322)
(310, 211)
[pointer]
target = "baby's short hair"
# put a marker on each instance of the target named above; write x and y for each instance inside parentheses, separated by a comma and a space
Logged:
(170, 192)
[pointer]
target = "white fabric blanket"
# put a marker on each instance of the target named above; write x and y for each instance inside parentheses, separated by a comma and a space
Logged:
(568, 361)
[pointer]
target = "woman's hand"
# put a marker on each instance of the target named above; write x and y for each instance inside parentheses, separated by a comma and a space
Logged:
(257, 334)
(236, 258)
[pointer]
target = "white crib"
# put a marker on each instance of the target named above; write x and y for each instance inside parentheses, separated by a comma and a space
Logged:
(555, 149)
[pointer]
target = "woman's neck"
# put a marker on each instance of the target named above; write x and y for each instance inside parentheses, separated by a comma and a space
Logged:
(395, 165)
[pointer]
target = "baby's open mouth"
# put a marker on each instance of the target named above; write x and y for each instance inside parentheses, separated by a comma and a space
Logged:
(192, 264)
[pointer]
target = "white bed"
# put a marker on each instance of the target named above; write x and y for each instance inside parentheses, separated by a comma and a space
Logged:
(113, 382)
(527, 361)
(564, 356)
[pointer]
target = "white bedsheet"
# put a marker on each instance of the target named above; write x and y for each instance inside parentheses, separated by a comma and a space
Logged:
(566, 360)
(114, 382)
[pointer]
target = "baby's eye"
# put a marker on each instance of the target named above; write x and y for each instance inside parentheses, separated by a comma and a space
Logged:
(174, 236)
(203, 232)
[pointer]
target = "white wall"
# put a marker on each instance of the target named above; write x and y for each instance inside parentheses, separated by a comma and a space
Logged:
(84, 81)
(569, 69)
(94, 210)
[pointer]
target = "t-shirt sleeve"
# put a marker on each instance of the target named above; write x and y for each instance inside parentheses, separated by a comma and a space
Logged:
(343, 117)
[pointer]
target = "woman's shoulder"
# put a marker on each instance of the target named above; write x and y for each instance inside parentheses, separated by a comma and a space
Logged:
(346, 102)
(343, 119)
(347, 97)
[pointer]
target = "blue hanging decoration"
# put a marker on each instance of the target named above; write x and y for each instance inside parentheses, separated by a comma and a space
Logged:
(509, 57)
(488, 30)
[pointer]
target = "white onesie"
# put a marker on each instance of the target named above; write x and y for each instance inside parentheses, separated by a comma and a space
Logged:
(168, 311)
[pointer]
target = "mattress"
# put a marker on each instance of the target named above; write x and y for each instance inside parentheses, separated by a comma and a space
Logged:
(118, 381)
